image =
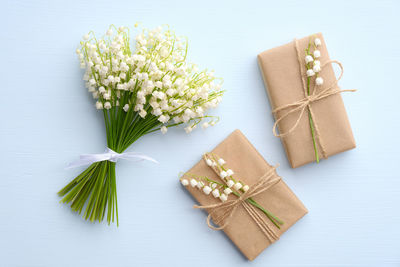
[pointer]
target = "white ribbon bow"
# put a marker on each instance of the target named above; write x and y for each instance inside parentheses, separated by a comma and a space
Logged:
(110, 155)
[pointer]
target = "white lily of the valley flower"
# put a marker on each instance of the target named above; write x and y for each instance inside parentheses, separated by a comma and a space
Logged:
(317, 53)
(317, 42)
(163, 118)
(216, 193)
(193, 182)
(310, 73)
(126, 107)
(142, 113)
(205, 125)
(164, 129)
(209, 162)
(107, 105)
(188, 129)
(246, 188)
(223, 197)
(317, 68)
(319, 81)
(107, 96)
(207, 190)
(237, 186)
(184, 182)
(200, 185)
(221, 161)
(309, 59)
(227, 191)
(229, 172)
(223, 174)
(230, 183)
(99, 105)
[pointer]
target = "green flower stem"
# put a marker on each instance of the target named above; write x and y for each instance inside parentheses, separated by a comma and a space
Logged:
(309, 114)
(74, 182)
(275, 220)
(313, 137)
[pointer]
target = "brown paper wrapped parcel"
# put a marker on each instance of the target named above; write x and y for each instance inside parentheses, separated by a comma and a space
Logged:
(249, 166)
(282, 69)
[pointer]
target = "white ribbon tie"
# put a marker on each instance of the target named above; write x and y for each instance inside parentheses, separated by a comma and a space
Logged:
(110, 155)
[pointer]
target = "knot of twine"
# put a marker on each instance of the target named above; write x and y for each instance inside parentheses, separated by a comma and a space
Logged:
(227, 209)
(301, 105)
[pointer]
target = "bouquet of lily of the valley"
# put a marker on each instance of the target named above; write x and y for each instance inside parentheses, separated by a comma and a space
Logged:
(140, 88)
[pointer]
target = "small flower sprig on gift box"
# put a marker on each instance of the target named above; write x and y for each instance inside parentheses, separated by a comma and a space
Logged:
(140, 89)
(223, 190)
(313, 66)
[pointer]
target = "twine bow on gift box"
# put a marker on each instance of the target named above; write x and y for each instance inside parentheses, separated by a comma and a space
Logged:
(301, 105)
(223, 213)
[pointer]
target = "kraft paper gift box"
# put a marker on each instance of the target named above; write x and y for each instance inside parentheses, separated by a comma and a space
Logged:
(282, 69)
(248, 165)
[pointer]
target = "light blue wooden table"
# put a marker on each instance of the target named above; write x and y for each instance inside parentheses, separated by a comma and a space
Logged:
(48, 119)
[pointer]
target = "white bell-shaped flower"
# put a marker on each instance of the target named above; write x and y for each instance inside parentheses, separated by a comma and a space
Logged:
(227, 191)
(193, 182)
(223, 174)
(207, 190)
(107, 105)
(223, 197)
(200, 184)
(319, 81)
(237, 186)
(216, 193)
(221, 161)
(310, 73)
(317, 68)
(99, 105)
(309, 59)
(126, 107)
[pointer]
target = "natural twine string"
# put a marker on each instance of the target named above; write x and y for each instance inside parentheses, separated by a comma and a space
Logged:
(227, 209)
(301, 105)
